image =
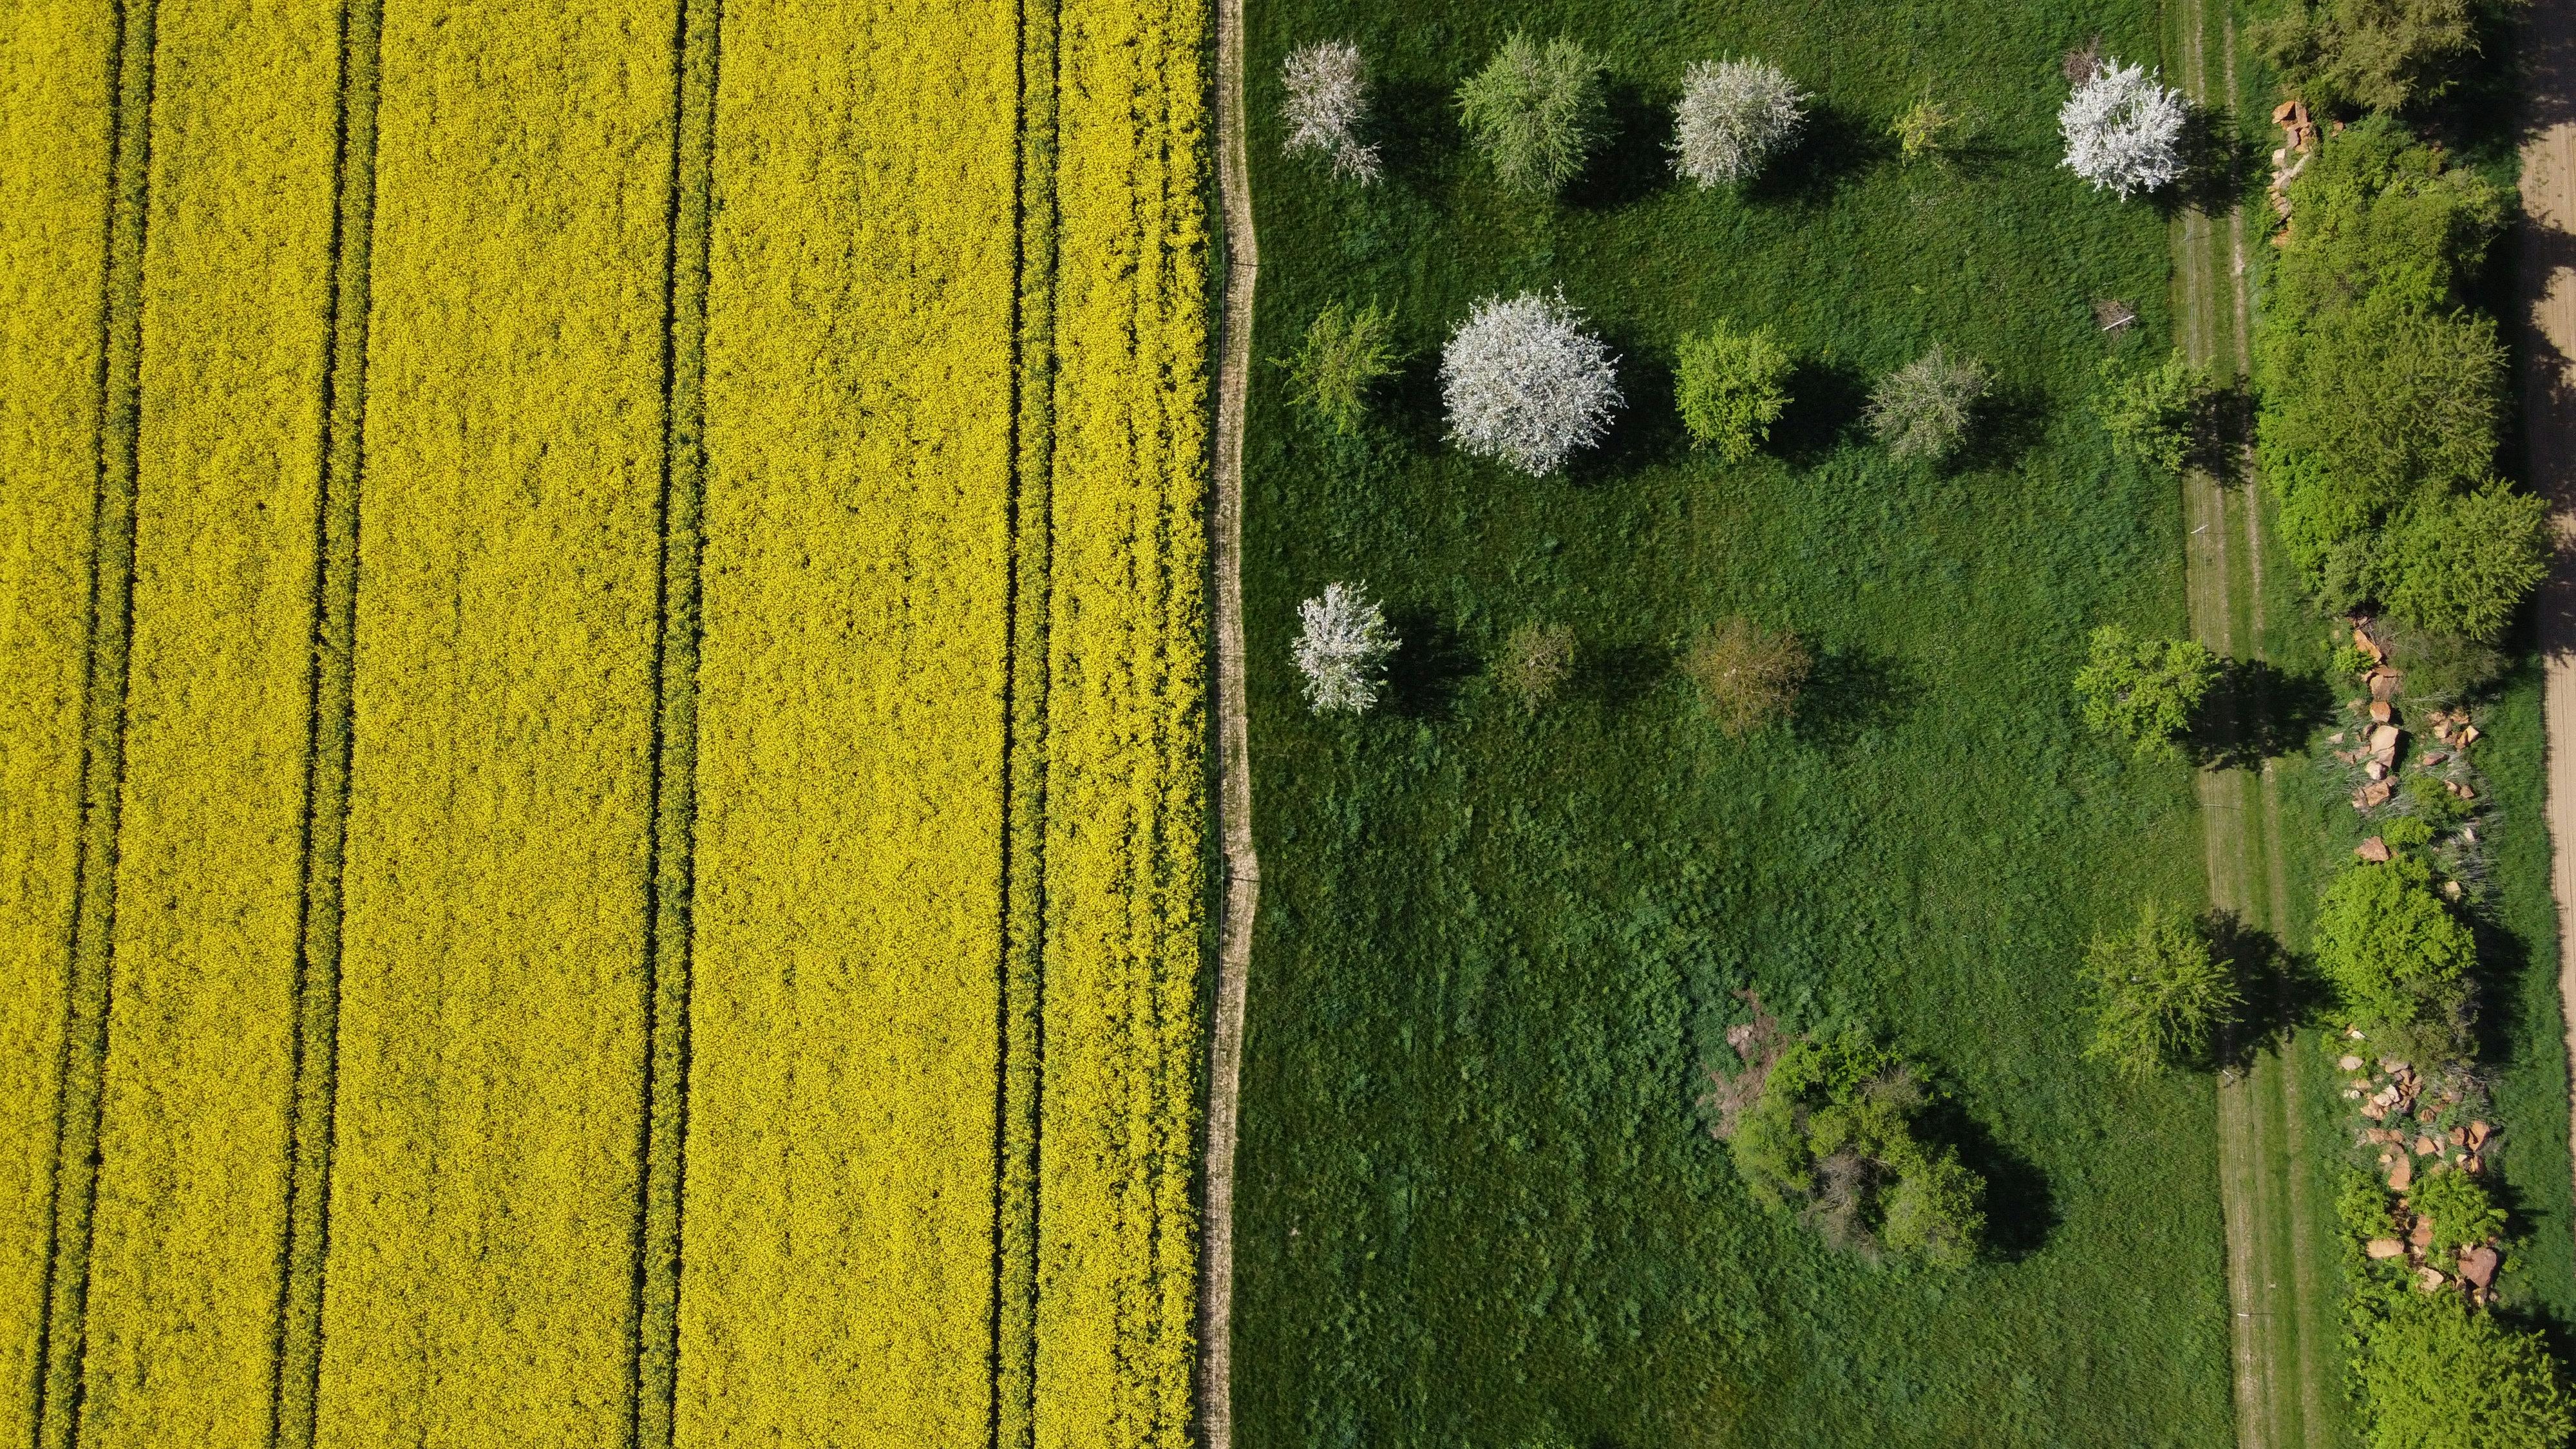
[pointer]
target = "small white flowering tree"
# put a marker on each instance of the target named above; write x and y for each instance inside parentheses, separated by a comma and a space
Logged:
(2124, 130)
(1734, 115)
(1327, 97)
(1526, 385)
(1342, 650)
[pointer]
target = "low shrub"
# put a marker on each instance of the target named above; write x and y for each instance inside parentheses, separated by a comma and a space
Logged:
(1748, 676)
(1537, 660)
(1345, 354)
(1925, 408)
(1834, 1134)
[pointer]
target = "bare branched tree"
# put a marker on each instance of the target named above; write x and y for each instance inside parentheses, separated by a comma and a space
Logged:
(1525, 383)
(1342, 650)
(1327, 100)
(1734, 115)
(1749, 675)
(2124, 130)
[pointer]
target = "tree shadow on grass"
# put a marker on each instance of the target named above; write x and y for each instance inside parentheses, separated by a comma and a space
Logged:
(2021, 1211)
(2007, 424)
(2257, 712)
(2220, 166)
(1415, 126)
(1647, 429)
(1431, 664)
(1852, 694)
(1409, 402)
(1618, 675)
(1633, 158)
(1833, 148)
(2281, 991)
(1825, 403)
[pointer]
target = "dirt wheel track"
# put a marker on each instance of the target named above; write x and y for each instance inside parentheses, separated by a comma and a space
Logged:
(1242, 869)
(2548, 282)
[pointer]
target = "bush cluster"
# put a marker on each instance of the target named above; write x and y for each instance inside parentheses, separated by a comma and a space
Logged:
(2398, 959)
(2383, 393)
(1731, 386)
(1836, 1134)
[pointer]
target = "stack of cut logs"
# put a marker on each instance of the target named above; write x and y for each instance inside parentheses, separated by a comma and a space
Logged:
(2460, 1148)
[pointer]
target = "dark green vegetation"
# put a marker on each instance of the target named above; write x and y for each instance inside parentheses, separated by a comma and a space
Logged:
(2162, 993)
(2383, 396)
(2381, 55)
(2397, 959)
(2439, 1377)
(1497, 951)
(2144, 692)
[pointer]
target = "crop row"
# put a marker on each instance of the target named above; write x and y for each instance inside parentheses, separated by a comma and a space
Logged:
(191, 1198)
(57, 87)
(491, 1039)
(838, 1230)
(1126, 806)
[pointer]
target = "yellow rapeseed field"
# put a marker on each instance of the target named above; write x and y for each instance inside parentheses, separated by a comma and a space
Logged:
(721, 545)
(55, 91)
(492, 1030)
(1126, 715)
(838, 1257)
(192, 1189)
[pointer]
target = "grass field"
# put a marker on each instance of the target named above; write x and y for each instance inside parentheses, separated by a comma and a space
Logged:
(658, 891)
(1495, 956)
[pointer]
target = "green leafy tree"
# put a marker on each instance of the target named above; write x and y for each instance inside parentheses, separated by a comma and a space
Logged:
(2161, 994)
(2463, 1213)
(2459, 564)
(2144, 691)
(1731, 387)
(1834, 1133)
(2396, 955)
(2153, 413)
(1536, 112)
(2379, 55)
(1346, 353)
(2436, 1375)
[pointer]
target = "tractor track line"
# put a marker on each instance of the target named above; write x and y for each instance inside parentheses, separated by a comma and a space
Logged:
(671, 819)
(110, 627)
(314, 1072)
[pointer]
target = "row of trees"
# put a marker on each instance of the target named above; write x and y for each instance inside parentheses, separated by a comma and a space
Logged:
(1538, 112)
(1526, 383)
(1748, 676)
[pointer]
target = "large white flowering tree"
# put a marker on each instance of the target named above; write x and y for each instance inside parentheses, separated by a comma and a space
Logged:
(2124, 130)
(1526, 385)
(1733, 116)
(1342, 650)
(1327, 98)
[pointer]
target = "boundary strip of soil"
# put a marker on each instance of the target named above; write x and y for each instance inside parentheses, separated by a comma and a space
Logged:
(2548, 287)
(315, 1068)
(1242, 263)
(673, 822)
(110, 626)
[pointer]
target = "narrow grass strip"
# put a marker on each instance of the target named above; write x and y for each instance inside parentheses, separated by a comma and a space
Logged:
(195, 1122)
(57, 82)
(1126, 841)
(332, 636)
(675, 724)
(111, 626)
(838, 1240)
(494, 1009)
(1032, 523)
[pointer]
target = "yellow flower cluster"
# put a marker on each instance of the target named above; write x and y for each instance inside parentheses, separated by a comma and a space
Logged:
(485, 1179)
(56, 85)
(191, 1196)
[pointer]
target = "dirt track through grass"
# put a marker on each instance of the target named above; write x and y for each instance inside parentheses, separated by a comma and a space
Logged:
(2279, 1319)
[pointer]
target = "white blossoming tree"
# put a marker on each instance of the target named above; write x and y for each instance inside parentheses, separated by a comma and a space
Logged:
(1327, 98)
(1342, 650)
(1734, 115)
(1526, 385)
(2124, 130)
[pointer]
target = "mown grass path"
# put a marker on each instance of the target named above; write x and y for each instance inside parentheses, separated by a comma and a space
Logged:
(1241, 256)
(2280, 1328)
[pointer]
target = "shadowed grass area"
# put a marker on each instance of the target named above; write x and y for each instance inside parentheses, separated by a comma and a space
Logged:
(1495, 955)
